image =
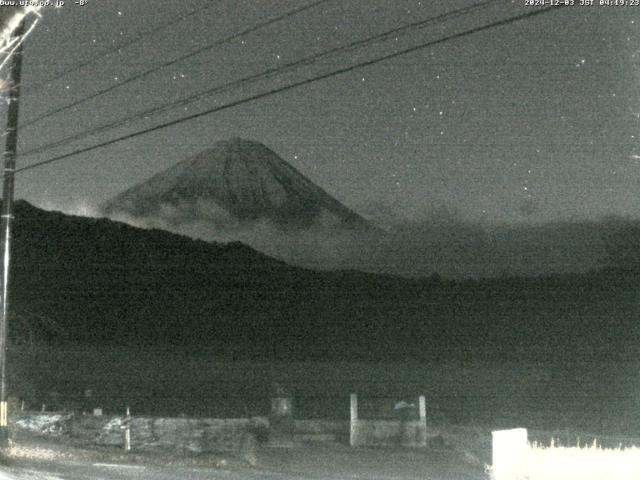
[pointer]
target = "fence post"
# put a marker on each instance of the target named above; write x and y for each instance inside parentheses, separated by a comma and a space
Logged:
(354, 420)
(422, 407)
(509, 449)
(126, 425)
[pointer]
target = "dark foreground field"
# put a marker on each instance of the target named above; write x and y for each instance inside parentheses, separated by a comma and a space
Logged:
(44, 459)
(599, 397)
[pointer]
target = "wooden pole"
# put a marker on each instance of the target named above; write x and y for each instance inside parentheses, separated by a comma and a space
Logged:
(7, 217)
(127, 431)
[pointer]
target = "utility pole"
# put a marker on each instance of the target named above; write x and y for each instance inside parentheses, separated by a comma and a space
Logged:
(6, 220)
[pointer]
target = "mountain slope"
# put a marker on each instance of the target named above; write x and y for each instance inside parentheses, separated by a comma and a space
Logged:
(236, 182)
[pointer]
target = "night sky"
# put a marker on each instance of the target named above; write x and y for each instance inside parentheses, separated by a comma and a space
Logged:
(532, 121)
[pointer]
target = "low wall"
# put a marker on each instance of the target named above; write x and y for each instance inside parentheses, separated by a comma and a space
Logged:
(197, 435)
(213, 434)
(321, 430)
(388, 432)
(43, 423)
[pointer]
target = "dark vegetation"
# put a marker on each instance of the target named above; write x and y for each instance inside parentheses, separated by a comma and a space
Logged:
(106, 283)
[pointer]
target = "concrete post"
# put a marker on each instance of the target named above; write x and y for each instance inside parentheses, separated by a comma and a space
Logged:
(422, 408)
(422, 402)
(127, 439)
(354, 419)
(509, 453)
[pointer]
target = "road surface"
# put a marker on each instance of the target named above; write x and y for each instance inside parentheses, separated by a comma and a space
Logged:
(67, 470)
(316, 461)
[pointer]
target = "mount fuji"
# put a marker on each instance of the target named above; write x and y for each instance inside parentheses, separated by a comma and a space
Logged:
(236, 184)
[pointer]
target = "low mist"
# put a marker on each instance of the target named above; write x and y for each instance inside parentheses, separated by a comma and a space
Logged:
(439, 243)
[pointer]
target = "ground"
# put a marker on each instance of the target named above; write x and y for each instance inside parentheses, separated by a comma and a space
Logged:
(38, 458)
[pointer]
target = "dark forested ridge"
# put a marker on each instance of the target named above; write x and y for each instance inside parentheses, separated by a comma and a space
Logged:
(109, 283)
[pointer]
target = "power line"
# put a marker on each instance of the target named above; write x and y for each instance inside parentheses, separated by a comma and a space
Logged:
(121, 46)
(262, 75)
(198, 51)
(292, 86)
